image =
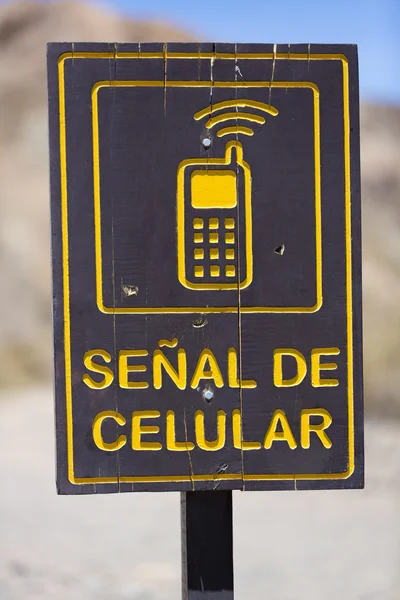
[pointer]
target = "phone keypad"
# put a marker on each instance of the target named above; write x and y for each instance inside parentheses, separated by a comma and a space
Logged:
(213, 223)
(198, 271)
(198, 223)
(213, 238)
(219, 230)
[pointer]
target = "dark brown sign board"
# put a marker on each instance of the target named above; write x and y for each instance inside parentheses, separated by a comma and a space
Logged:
(207, 266)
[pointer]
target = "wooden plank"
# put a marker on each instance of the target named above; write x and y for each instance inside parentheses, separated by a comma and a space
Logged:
(206, 266)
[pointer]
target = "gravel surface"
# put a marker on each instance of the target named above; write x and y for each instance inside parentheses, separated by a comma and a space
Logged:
(288, 545)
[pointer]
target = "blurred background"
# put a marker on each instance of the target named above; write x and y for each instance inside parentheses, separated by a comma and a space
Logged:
(287, 546)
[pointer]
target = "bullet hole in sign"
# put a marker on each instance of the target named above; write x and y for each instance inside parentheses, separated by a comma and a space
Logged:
(207, 394)
(130, 290)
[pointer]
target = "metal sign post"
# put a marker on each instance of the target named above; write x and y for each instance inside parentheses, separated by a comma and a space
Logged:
(207, 546)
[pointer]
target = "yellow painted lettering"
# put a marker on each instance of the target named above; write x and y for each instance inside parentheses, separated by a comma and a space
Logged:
(300, 363)
(306, 428)
(172, 444)
(97, 434)
(178, 377)
(125, 369)
(138, 430)
(213, 373)
(238, 442)
(233, 380)
(200, 433)
(317, 367)
(286, 435)
(108, 375)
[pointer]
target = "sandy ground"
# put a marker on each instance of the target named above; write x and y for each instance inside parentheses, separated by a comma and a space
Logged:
(288, 545)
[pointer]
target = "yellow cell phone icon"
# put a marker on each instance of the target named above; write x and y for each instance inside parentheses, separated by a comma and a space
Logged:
(214, 220)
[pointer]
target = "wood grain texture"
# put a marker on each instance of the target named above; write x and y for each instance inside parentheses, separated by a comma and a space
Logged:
(125, 149)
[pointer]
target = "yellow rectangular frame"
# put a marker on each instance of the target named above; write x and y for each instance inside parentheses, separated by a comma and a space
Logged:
(97, 202)
(65, 257)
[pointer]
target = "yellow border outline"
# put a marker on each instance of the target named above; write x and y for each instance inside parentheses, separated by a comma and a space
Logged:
(65, 255)
(248, 219)
(206, 309)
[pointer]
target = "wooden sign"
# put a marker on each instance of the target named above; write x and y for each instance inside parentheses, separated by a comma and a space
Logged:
(207, 266)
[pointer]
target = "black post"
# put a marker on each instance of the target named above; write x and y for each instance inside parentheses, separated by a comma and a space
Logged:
(207, 545)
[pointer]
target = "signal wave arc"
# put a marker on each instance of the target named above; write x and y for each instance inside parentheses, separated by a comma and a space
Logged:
(235, 130)
(233, 116)
(243, 103)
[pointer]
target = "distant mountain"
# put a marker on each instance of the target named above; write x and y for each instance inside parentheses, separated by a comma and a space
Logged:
(25, 307)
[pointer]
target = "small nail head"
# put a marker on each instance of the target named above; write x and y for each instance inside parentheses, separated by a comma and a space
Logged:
(198, 323)
(206, 142)
(208, 394)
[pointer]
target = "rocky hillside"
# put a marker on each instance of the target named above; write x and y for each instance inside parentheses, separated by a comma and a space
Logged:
(25, 329)
(380, 164)
(25, 29)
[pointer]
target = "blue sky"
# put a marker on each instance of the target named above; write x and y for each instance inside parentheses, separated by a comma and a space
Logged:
(373, 24)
